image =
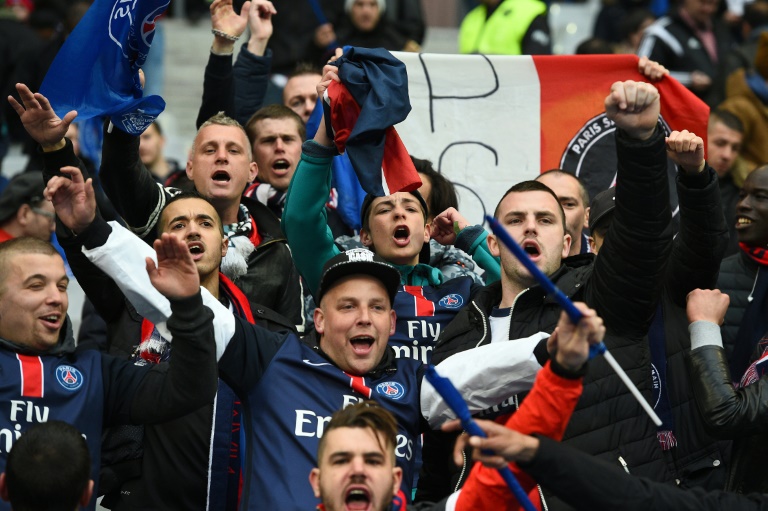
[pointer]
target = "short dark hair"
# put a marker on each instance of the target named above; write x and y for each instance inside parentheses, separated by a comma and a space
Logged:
(275, 111)
(191, 194)
(366, 415)
(531, 186)
(443, 194)
(727, 119)
(582, 189)
(305, 68)
(48, 468)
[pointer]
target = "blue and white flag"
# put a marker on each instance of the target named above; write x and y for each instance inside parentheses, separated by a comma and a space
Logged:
(96, 72)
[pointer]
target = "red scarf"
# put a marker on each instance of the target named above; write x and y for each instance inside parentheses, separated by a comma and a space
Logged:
(757, 254)
(154, 348)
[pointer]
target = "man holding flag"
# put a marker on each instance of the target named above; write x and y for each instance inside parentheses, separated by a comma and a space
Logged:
(394, 214)
(623, 285)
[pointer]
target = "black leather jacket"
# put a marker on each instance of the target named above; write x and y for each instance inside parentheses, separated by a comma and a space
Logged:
(741, 414)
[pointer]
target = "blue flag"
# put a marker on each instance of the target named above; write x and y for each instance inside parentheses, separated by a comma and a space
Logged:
(96, 72)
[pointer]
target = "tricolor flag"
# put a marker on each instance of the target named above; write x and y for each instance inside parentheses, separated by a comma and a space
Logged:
(361, 110)
(488, 122)
(96, 72)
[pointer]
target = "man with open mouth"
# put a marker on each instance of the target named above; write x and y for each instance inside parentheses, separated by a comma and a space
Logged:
(220, 166)
(47, 377)
(356, 463)
(168, 465)
(623, 284)
(395, 227)
(290, 386)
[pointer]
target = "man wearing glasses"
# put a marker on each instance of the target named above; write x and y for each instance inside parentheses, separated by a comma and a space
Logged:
(24, 211)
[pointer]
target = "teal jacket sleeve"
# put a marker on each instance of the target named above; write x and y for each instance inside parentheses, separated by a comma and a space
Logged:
(305, 221)
(472, 241)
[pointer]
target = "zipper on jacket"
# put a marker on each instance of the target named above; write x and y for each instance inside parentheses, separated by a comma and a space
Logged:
(544, 506)
(463, 470)
(754, 285)
(512, 311)
(483, 321)
(624, 464)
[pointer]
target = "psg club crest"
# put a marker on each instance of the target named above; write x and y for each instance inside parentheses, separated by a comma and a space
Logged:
(451, 301)
(69, 377)
(591, 157)
(390, 389)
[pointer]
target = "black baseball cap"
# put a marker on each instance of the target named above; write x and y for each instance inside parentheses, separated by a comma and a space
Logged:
(358, 261)
(24, 188)
(603, 204)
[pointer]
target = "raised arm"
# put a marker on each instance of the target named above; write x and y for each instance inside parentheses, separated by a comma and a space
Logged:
(254, 62)
(227, 27)
(39, 119)
(703, 238)
(189, 380)
(305, 221)
(638, 244)
(121, 255)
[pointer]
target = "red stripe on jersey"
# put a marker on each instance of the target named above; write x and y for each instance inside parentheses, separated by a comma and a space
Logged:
(31, 375)
(358, 385)
(424, 307)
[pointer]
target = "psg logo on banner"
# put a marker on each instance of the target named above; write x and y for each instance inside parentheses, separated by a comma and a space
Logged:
(69, 377)
(591, 156)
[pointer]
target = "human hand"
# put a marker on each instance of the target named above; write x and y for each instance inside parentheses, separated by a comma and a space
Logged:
(506, 445)
(634, 107)
(175, 275)
(569, 343)
(72, 198)
(39, 119)
(224, 19)
(686, 150)
(260, 22)
(651, 69)
(707, 305)
(443, 230)
(330, 74)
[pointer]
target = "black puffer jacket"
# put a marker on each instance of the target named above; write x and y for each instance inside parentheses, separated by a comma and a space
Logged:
(698, 459)
(738, 274)
(741, 414)
(623, 285)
